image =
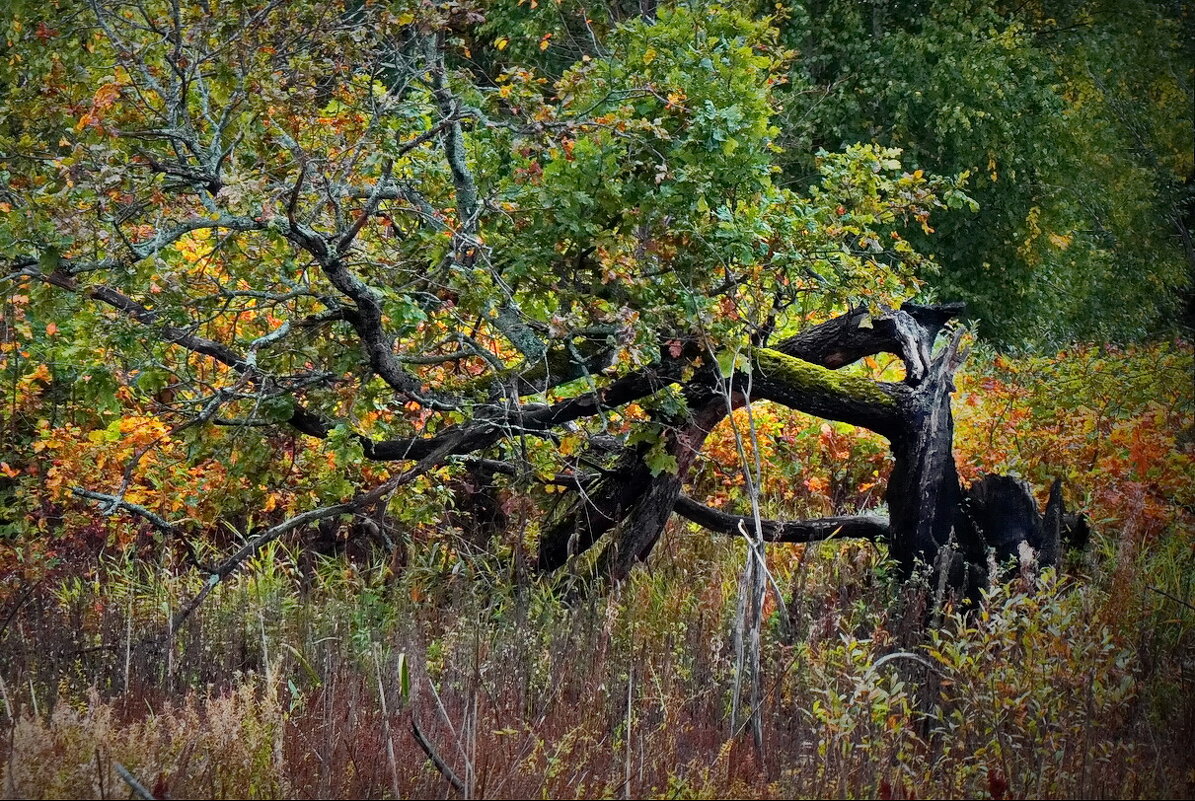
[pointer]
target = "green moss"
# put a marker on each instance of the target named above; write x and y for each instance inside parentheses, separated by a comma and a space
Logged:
(811, 377)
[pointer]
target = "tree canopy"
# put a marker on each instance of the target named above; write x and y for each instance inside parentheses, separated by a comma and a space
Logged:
(548, 242)
(1074, 122)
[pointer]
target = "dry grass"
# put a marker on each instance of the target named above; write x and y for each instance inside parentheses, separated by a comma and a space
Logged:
(279, 692)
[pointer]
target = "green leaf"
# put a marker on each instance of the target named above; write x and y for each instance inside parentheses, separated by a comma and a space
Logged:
(726, 360)
(659, 460)
(278, 410)
(404, 677)
(49, 259)
(153, 380)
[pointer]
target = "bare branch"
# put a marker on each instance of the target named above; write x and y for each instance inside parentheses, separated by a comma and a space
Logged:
(112, 502)
(137, 788)
(867, 527)
(436, 759)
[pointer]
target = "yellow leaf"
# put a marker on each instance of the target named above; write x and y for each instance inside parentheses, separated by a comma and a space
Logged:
(1060, 241)
(501, 43)
(568, 444)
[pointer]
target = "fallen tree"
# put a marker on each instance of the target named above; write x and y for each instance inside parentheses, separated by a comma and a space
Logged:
(935, 522)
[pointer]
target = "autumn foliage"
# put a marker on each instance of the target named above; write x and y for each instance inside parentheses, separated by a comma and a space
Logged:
(355, 357)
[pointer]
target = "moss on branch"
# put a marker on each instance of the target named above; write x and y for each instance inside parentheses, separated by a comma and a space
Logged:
(804, 377)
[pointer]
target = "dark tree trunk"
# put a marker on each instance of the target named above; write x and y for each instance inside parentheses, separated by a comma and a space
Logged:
(604, 502)
(628, 494)
(923, 491)
(1003, 513)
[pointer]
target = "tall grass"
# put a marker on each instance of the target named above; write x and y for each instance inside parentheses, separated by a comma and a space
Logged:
(278, 687)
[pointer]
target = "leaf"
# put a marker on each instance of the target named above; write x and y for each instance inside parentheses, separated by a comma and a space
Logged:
(569, 444)
(726, 360)
(152, 380)
(659, 460)
(404, 677)
(278, 410)
(49, 259)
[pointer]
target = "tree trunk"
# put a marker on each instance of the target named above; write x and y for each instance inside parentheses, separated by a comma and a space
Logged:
(936, 528)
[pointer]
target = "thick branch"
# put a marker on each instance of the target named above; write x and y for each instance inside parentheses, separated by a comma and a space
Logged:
(907, 332)
(820, 391)
(865, 527)
(488, 428)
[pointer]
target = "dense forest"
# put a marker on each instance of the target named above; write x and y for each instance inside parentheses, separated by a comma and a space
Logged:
(597, 398)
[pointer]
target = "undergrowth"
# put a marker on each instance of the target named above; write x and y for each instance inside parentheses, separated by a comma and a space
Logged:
(303, 689)
(303, 676)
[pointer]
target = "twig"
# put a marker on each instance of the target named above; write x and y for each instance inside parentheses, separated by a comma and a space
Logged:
(1177, 600)
(137, 787)
(440, 764)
